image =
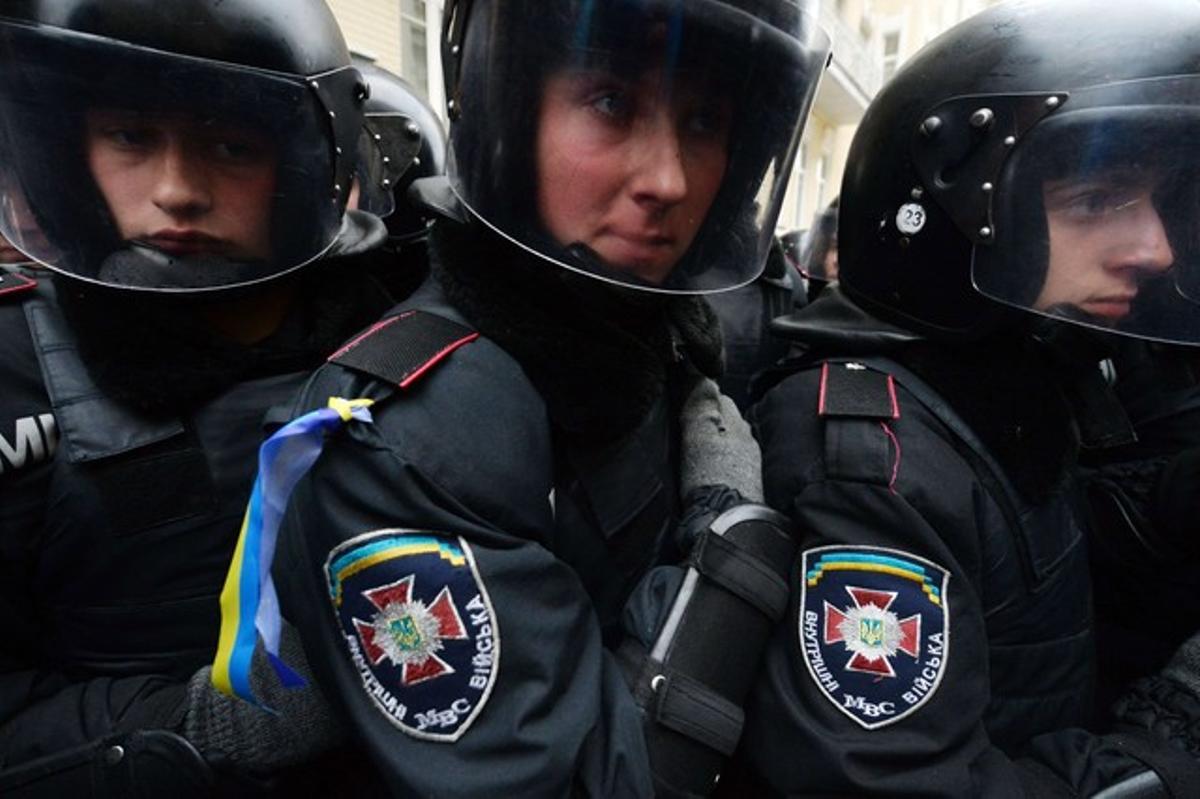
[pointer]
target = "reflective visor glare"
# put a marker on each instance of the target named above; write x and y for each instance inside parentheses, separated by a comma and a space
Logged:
(147, 170)
(1097, 211)
(643, 143)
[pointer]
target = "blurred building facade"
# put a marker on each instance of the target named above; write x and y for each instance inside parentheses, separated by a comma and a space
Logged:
(399, 35)
(871, 40)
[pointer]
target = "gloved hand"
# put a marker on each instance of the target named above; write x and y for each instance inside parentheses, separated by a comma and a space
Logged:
(718, 448)
(1167, 704)
(255, 739)
(1184, 666)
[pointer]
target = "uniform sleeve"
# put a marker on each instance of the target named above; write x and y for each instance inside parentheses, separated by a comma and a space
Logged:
(415, 560)
(45, 713)
(878, 681)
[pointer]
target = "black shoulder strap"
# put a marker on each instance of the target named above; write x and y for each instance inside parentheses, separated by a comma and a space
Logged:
(854, 390)
(856, 402)
(91, 425)
(400, 349)
(14, 283)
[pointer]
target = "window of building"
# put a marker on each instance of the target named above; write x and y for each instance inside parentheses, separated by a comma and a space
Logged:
(413, 48)
(823, 179)
(891, 54)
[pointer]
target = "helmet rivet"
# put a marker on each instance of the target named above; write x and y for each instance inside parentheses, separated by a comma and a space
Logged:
(1052, 102)
(983, 118)
(455, 50)
(416, 161)
(917, 193)
(332, 115)
(377, 137)
(337, 187)
(386, 183)
(985, 232)
(1009, 141)
(412, 130)
(314, 84)
(930, 127)
(114, 755)
(338, 150)
(987, 188)
(387, 160)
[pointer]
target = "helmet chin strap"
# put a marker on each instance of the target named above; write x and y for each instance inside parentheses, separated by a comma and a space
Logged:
(1073, 313)
(1078, 351)
(140, 266)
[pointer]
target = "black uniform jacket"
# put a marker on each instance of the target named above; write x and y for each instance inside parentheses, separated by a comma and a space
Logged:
(459, 504)
(746, 315)
(939, 638)
(1145, 549)
(116, 530)
(117, 527)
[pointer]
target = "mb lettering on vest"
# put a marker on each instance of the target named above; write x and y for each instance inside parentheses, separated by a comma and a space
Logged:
(35, 439)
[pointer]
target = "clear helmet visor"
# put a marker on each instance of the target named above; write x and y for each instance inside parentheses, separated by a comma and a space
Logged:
(1097, 213)
(642, 142)
(387, 149)
(819, 259)
(140, 169)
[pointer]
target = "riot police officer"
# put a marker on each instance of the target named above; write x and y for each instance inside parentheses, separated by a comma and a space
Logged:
(819, 261)
(183, 168)
(1019, 194)
(745, 315)
(395, 110)
(543, 417)
(1143, 506)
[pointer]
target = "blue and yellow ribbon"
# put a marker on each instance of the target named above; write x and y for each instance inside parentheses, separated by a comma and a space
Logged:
(249, 603)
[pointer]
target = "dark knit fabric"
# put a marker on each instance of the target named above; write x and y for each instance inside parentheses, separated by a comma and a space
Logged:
(599, 354)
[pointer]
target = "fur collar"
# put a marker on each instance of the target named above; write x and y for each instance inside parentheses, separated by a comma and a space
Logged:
(156, 354)
(600, 355)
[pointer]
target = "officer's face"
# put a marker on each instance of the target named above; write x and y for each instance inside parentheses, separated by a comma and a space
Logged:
(831, 262)
(10, 254)
(1106, 239)
(629, 166)
(183, 184)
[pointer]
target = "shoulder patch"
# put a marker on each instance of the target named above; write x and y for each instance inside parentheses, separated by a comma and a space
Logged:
(856, 391)
(12, 284)
(419, 627)
(874, 630)
(400, 349)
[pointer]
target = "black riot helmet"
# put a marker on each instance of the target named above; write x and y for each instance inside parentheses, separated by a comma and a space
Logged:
(241, 116)
(396, 113)
(815, 262)
(734, 78)
(1039, 156)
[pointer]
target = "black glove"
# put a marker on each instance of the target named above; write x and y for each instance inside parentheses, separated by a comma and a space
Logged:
(1167, 704)
(303, 726)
